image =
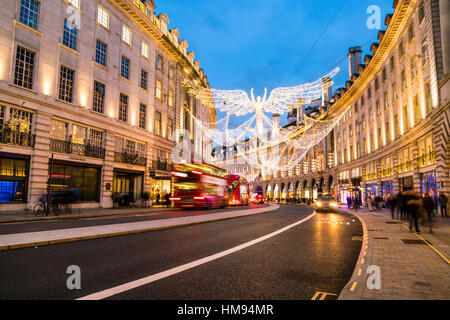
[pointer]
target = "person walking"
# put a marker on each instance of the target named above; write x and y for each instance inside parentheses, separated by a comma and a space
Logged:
(443, 202)
(370, 203)
(168, 200)
(406, 212)
(428, 206)
(399, 205)
(414, 206)
(391, 204)
(158, 197)
(356, 204)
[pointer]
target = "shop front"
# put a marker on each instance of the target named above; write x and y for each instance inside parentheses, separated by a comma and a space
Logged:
(269, 193)
(82, 181)
(298, 191)
(387, 188)
(13, 179)
(291, 192)
(371, 190)
(406, 184)
(429, 184)
(161, 187)
(315, 190)
(276, 194)
(283, 192)
(345, 192)
(128, 184)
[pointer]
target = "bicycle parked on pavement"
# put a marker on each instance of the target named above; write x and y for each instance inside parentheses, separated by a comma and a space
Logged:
(55, 204)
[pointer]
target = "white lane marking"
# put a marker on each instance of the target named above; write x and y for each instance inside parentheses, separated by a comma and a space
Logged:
(168, 273)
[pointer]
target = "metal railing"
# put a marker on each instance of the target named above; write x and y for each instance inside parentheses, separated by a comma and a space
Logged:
(130, 158)
(426, 159)
(161, 165)
(405, 167)
(16, 138)
(388, 172)
(370, 176)
(84, 150)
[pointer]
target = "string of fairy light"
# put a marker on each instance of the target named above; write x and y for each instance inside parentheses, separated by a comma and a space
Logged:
(266, 146)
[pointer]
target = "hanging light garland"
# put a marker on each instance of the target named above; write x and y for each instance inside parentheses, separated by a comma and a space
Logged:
(266, 147)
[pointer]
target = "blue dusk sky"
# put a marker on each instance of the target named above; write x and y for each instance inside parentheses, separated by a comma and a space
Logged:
(244, 44)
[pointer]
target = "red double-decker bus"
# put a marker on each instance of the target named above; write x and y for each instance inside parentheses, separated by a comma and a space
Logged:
(199, 186)
(238, 191)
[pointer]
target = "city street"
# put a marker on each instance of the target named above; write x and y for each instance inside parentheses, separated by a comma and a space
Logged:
(317, 255)
(217, 153)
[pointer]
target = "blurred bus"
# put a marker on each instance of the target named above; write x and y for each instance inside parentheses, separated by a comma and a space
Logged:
(238, 191)
(199, 186)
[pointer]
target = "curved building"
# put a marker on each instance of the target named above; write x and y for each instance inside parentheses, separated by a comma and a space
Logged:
(394, 135)
(91, 97)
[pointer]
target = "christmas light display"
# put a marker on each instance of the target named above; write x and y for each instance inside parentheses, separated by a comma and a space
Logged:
(260, 140)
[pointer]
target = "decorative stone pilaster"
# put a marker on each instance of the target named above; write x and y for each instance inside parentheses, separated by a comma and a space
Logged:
(379, 183)
(39, 164)
(106, 186)
(441, 137)
(416, 175)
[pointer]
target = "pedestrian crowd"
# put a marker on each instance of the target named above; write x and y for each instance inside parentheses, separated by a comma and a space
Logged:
(408, 205)
(416, 208)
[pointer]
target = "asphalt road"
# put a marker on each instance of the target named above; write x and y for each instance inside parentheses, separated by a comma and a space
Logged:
(47, 225)
(317, 255)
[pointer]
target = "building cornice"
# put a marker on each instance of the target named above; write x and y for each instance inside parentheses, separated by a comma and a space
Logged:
(397, 24)
(167, 39)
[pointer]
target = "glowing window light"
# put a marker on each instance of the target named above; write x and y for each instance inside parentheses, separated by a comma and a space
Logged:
(47, 88)
(126, 35)
(103, 17)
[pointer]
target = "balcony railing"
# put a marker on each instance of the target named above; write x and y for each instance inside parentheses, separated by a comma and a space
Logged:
(16, 138)
(426, 159)
(405, 167)
(84, 150)
(161, 165)
(388, 172)
(370, 176)
(130, 158)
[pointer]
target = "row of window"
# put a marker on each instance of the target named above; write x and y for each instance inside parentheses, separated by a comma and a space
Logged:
(76, 134)
(29, 14)
(425, 56)
(123, 116)
(25, 63)
(401, 125)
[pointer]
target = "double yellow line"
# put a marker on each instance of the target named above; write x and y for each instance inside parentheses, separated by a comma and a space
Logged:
(429, 244)
(322, 295)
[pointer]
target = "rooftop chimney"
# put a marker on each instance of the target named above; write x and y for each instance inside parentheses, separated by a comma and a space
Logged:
(354, 60)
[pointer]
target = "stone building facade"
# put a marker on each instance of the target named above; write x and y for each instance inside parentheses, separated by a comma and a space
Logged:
(92, 98)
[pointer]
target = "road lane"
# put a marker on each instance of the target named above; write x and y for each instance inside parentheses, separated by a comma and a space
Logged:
(105, 263)
(36, 226)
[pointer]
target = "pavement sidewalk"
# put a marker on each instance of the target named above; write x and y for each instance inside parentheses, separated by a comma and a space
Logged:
(41, 238)
(26, 215)
(412, 266)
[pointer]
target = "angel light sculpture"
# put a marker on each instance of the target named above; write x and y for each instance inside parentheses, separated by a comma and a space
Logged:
(265, 131)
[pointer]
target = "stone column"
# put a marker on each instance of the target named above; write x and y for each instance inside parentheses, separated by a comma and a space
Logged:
(107, 172)
(395, 175)
(39, 164)
(416, 175)
(379, 183)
